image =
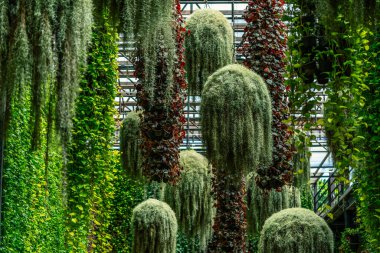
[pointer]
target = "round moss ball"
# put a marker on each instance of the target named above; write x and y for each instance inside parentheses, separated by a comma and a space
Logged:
(296, 230)
(154, 227)
(236, 118)
(208, 47)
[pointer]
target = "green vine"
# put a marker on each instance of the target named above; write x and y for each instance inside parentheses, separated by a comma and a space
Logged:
(91, 165)
(33, 210)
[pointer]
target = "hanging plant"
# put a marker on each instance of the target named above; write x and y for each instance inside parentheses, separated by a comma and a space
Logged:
(262, 204)
(236, 129)
(296, 230)
(159, 66)
(209, 46)
(42, 47)
(154, 227)
(46, 27)
(91, 162)
(130, 142)
(191, 198)
(263, 46)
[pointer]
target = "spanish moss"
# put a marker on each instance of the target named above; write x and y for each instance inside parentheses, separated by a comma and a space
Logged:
(209, 46)
(262, 204)
(55, 37)
(191, 198)
(154, 227)
(296, 230)
(236, 118)
(130, 142)
(236, 128)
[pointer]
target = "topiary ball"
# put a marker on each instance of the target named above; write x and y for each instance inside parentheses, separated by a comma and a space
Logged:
(154, 227)
(208, 47)
(191, 198)
(236, 118)
(130, 141)
(296, 230)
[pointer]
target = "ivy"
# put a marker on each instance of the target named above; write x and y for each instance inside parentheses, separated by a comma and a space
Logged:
(33, 210)
(91, 165)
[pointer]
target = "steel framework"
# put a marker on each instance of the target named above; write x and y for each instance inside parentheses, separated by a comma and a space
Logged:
(322, 168)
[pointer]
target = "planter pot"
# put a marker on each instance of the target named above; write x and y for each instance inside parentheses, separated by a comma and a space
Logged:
(308, 71)
(308, 44)
(323, 70)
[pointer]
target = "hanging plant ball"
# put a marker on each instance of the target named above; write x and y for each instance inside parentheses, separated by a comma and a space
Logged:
(236, 119)
(208, 47)
(262, 203)
(296, 230)
(154, 227)
(236, 116)
(191, 198)
(130, 142)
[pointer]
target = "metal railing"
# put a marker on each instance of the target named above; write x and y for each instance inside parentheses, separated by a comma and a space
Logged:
(330, 191)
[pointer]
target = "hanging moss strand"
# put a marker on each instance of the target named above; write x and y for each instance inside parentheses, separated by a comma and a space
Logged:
(159, 64)
(235, 113)
(191, 198)
(262, 204)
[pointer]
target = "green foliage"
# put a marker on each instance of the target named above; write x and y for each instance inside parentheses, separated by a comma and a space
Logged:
(262, 204)
(191, 197)
(296, 230)
(209, 46)
(347, 43)
(235, 117)
(91, 164)
(127, 195)
(186, 244)
(44, 41)
(357, 12)
(367, 174)
(154, 227)
(32, 211)
(130, 142)
(345, 239)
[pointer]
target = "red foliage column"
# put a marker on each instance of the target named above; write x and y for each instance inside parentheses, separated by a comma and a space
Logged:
(263, 46)
(230, 219)
(162, 124)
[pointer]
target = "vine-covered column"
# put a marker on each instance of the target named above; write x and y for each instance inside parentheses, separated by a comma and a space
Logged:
(264, 45)
(91, 162)
(159, 66)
